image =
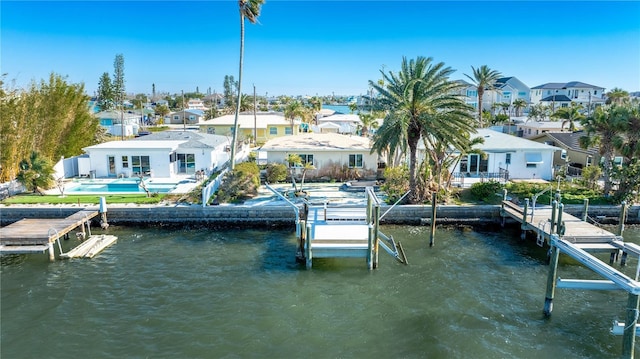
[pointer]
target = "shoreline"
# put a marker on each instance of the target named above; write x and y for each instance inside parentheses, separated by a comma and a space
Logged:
(241, 216)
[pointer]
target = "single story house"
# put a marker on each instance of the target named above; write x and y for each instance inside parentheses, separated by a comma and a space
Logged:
(163, 154)
(534, 128)
(520, 158)
(265, 125)
(330, 153)
(187, 116)
(572, 154)
(347, 123)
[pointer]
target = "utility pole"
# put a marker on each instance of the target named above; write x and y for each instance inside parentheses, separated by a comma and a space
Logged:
(255, 118)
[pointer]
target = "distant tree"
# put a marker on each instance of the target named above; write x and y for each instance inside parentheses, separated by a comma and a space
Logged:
(293, 110)
(119, 88)
(518, 105)
(105, 95)
(484, 78)
(569, 115)
(538, 112)
(369, 121)
(617, 96)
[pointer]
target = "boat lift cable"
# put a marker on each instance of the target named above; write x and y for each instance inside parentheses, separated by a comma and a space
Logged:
(398, 201)
(293, 205)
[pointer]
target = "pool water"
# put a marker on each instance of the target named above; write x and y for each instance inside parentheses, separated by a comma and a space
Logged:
(121, 185)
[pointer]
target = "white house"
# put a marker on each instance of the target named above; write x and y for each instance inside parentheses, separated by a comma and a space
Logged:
(330, 153)
(346, 123)
(188, 117)
(116, 122)
(164, 154)
(562, 94)
(522, 158)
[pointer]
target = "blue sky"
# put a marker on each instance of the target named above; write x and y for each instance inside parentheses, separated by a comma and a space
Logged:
(317, 47)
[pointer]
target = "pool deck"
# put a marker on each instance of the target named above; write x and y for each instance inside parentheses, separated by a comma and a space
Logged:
(183, 184)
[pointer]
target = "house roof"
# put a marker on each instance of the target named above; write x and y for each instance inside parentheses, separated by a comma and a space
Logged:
(190, 139)
(318, 142)
(246, 120)
(501, 142)
(341, 118)
(569, 140)
(543, 124)
(136, 145)
(557, 98)
(565, 85)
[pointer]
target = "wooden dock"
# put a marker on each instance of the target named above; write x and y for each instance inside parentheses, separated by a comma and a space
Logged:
(548, 220)
(38, 235)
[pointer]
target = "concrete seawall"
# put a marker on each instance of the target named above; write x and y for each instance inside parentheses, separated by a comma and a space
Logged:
(283, 216)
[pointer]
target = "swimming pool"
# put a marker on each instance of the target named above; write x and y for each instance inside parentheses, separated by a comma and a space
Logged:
(120, 185)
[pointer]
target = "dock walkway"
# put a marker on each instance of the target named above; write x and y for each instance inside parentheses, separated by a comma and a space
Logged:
(33, 235)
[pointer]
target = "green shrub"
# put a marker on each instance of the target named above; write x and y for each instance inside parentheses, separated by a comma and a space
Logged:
(486, 191)
(276, 172)
(396, 182)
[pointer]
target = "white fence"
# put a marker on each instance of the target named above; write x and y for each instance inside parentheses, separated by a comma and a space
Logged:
(212, 187)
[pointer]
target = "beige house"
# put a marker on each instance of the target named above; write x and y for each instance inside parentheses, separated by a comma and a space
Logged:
(264, 126)
(572, 154)
(331, 154)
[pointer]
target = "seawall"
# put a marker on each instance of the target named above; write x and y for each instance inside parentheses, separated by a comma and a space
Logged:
(283, 216)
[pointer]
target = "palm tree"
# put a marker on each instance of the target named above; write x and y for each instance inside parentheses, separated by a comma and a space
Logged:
(369, 122)
(616, 95)
(484, 78)
(249, 9)
(293, 110)
(421, 102)
(569, 115)
(604, 128)
(518, 105)
(36, 172)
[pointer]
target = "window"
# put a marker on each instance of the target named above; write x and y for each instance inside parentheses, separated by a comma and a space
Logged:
(176, 117)
(563, 155)
(507, 159)
(125, 161)
(306, 159)
(595, 92)
(211, 130)
(186, 163)
(287, 131)
(589, 160)
(472, 93)
(355, 161)
(522, 94)
(232, 130)
(273, 131)
(192, 118)
(506, 94)
(532, 165)
(565, 105)
(140, 164)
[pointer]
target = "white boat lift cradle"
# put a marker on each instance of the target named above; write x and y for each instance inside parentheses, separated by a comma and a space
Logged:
(343, 232)
(613, 280)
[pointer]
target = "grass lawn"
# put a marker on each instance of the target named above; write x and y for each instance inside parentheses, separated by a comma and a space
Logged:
(82, 199)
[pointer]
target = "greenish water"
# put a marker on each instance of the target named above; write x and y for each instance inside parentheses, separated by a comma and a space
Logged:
(161, 293)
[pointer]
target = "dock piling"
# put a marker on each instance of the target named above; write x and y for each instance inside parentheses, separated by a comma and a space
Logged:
(552, 278)
(623, 216)
(432, 234)
(629, 335)
(585, 210)
(524, 219)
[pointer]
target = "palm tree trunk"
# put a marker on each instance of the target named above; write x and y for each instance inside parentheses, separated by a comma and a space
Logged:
(480, 94)
(235, 121)
(413, 159)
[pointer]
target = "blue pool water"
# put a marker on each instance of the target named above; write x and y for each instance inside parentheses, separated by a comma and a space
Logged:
(121, 185)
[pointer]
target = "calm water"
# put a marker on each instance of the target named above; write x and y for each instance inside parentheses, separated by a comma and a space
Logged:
(161, 293)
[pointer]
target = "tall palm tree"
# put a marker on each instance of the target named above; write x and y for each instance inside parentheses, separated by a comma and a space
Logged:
(569, 115)
(421, 102)
(293, 110)
(604, 128)
(484, 78)
(249, 9)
